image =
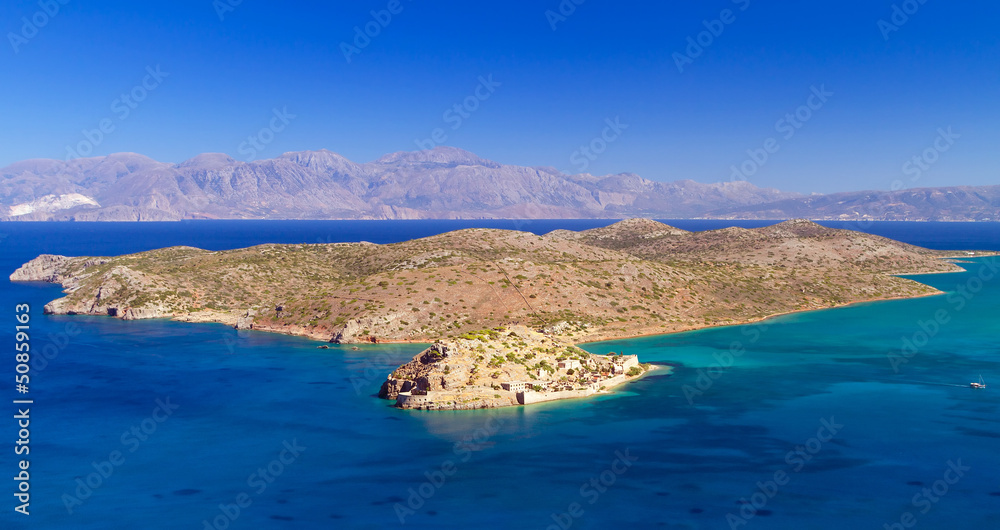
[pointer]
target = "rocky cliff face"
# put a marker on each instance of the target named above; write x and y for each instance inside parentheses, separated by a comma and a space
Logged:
(44, 268)
(114, 287)
(246, 321)
(430, 371)
(367, 329)
(392, 387)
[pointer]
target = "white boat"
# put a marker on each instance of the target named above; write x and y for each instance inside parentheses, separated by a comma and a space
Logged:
(980, 384)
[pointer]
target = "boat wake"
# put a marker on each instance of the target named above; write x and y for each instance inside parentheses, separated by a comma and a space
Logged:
(932, 383)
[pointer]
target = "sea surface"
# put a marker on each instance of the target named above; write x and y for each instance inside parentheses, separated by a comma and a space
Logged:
(858, 417)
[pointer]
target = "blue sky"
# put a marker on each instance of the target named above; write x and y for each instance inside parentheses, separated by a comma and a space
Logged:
(552, 91)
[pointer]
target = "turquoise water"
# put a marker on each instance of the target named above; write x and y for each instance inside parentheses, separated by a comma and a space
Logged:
(899, 429)
(697, 442)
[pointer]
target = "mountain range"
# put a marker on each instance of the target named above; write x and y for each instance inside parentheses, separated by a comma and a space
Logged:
(442, 183)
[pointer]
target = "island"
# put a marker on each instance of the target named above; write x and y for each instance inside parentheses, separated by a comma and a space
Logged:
(635, 277)
(504, 367)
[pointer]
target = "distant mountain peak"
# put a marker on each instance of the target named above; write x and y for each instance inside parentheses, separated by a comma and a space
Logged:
(323, 161)
(208, 161)
(441, 154)
(324, 154)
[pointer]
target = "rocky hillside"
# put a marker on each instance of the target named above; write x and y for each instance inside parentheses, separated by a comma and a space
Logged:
(635, 277)
(440, 183)
(795, 243)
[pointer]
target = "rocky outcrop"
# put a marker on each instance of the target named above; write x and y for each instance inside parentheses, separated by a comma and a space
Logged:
(246, 321)
(367, 329)
(426, 372)
(142, 313)
(392, 387)
(113, 291)
(51, 269)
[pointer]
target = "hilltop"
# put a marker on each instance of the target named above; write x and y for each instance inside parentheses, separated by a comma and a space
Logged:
(794, 243)
(634, 277)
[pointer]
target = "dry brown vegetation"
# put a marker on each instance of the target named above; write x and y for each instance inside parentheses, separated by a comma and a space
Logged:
(634, 277)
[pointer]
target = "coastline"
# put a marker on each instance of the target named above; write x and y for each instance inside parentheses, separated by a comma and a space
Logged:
(762, 319)
(584, 340)
(229, 319)
(785, 313)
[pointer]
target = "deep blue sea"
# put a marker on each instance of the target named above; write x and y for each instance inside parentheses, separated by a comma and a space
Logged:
(858, 417)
